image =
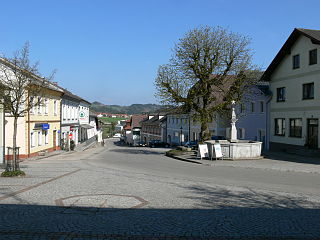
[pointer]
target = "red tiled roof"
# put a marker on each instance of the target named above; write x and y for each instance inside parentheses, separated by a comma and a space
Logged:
(136, 119)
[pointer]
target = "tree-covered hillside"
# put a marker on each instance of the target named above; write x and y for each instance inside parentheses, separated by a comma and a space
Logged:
(132, 109)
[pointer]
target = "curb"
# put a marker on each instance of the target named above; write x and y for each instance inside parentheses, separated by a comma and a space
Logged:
(184, 160)
(43, 157)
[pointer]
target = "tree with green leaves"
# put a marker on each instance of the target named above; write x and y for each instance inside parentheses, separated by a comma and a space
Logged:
(210, 68)
(22, 90)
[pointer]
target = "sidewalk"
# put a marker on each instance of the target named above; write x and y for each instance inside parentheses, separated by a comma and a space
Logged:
(277, 161)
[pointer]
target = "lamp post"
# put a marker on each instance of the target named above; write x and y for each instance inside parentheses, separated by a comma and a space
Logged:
(181, 136)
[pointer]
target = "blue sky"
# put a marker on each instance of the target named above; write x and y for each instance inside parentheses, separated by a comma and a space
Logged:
(109, 51)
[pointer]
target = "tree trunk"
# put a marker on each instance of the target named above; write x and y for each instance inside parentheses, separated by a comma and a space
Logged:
(15, 160)
(205, 133)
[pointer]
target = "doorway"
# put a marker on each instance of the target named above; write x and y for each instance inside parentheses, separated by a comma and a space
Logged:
(312, 133)
(55, 139)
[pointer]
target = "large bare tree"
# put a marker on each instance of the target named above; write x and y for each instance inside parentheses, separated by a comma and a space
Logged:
(22, 90)
(210, 68)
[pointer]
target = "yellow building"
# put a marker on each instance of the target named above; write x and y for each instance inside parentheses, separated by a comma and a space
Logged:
(38, 131)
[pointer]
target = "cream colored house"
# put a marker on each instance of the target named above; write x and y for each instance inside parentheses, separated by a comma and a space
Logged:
(39, 129)
(294, 76)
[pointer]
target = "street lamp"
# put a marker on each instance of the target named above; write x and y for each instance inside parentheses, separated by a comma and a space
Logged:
(181, 136)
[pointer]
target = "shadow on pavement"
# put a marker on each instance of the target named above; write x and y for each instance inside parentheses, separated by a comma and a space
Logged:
(222, 198)
(53, 222)
(136, 151)
(289, 157)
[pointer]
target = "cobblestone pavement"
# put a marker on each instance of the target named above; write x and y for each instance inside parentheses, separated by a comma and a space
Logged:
(118, 192)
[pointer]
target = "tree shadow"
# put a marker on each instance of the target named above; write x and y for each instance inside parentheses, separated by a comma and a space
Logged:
(290, 157)
(223, 198)
(54, 222)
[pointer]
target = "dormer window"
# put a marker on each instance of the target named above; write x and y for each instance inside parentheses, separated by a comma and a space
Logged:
(296, 61)
(313, 57)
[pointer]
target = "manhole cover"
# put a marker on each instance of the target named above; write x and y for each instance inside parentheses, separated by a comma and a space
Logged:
(101, 202)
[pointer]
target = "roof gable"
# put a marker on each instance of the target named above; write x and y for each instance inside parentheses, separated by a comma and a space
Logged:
(313, 35)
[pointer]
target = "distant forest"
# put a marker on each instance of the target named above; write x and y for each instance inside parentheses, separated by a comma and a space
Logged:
(132, 109)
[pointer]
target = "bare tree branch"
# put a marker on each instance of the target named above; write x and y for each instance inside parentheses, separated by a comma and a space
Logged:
(210, 67)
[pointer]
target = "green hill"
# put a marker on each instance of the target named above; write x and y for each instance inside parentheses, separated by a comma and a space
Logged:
(132, 109)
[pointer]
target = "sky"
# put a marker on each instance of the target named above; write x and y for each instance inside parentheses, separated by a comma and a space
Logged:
(109, 50)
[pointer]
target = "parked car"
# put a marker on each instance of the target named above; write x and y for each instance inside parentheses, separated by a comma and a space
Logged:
(218, 138)
(117, 135)
(141, 144)
(191, 144)
(158, 143)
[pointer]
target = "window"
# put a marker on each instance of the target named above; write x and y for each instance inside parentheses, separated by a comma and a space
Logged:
(32, 110)
(313, 57)
(46, 137)
(279, 126)
(68, 113)
(39, 138)
(55, 107)
(241, 133)
(261, 106)
(308, 91)
(281, 94)
(194, 136)
(46, 103)
(64, 111)
(296, 127)
(296, 61)
(252, 107)
(32, 139)
(241, 108)
(39, 105)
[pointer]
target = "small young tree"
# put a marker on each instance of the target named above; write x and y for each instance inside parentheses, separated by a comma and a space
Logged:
(23, 90)
(210, 67)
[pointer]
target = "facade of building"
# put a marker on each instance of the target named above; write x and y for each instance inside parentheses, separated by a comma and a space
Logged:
(178, 129)
(154, 128)
(69, 119)
(132, 130)
(253, 116)
(294, 81)
(39, 130)
(95, 131)
(217, 127)
(2, 138)
(84, 120)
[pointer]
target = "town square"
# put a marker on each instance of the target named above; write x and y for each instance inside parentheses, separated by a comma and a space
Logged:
(159, 120)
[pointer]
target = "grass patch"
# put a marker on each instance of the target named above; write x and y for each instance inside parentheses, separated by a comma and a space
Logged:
(17, 173)
(176, 152)
(110, 120)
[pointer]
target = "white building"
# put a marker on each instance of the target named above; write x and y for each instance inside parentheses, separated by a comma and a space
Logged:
(84, 112)
(95, 131)
(294, 76)
(69, 118)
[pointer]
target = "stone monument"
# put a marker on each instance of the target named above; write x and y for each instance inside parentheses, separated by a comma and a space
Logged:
(233, 135)
(234, 149)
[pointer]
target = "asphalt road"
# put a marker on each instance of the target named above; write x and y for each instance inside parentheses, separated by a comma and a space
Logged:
(121, 192)
(151, 161)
